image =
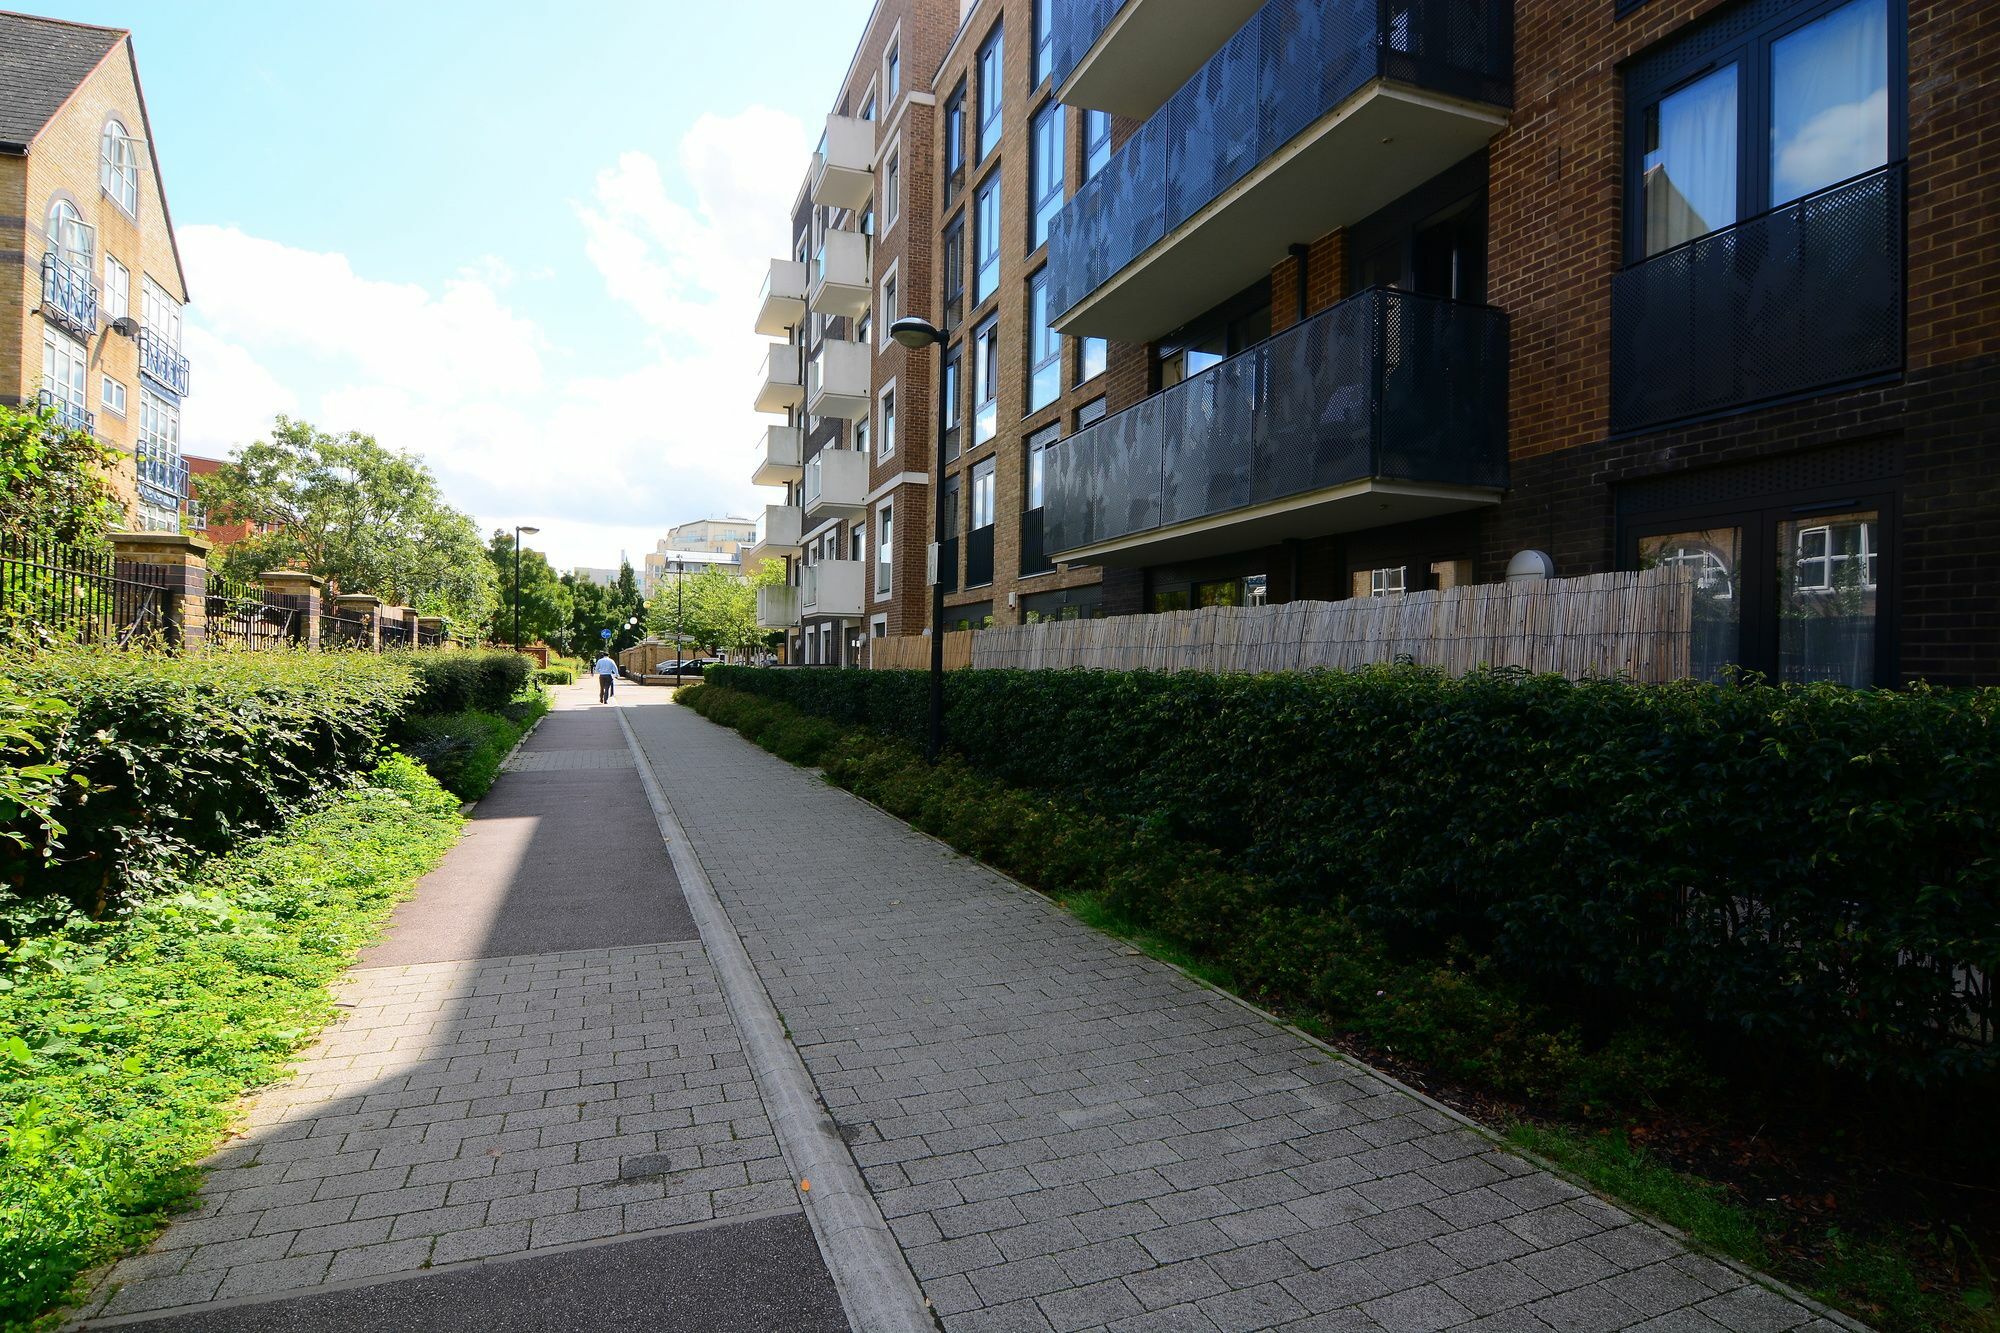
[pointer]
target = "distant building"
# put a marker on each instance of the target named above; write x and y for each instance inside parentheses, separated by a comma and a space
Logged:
(664, 567)
(222, 534)
(603, 578)
(704, 536)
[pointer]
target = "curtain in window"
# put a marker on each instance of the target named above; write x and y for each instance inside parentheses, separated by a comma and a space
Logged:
(1690, 168)
(1830, 100)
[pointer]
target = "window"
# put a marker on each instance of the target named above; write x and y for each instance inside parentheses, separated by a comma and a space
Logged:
(70, 237)
(1039, 445)
(111, 394)
(885, 532)
(954, 273)
(953, 508)
(1169, 599)
(878, 628)
(892, 190)
(982, 494)
(954, 143)
(159, 428)
(858, 542)
(1794, 107)
(986, 381)
(1045, 156)
(861, 436)
(161, 312)
(65, 367)
(1219, 592)
(950, 390)
(1044, 347)
(1388, 582)
(990, 86)
(889, 422)
(864, 325)
(986, 239)
(1045, 42)
(1090, 358)
(891, 311)
(1096, 142)
(118, 167)
(892, 76)
(117, 299)
(1090, 413)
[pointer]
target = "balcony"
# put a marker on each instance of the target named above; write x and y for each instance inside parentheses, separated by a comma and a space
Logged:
(69, 297)
(842, 275)
(778, 456)
(162, 363)
(781, 305)
(781, 386)
(776, 536)
(1386, 408)
(163, 482)
(1804, 297)
(836, 485)
(1311, 117)
(777, 607)
(843, 174)
(1128, 56)
(979, 556)
(68, 415)
(832, 588)
(1034, 550)
(837, 382)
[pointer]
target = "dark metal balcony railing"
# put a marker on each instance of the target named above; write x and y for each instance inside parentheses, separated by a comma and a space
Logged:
(1293, 62)
(1803, 297)
(67, 413)
(1034, 552)
(161, 362)
(162, 481)
(1386, 385)
(948, 564)
(68, 295)
(979, 556)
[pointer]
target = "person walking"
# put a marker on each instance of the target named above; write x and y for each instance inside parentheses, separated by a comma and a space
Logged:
(607, 676)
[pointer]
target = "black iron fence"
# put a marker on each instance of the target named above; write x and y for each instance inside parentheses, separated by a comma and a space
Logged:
(979, 556)
(1386, 385)
(49, 590)
(338, 631)
(395, 634)
(238, 613)
(1804, 297)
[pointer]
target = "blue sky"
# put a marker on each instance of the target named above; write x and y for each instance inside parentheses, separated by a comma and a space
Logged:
(520, 239)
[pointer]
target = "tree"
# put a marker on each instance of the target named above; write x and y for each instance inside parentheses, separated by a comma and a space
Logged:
(546, 604)
(361, 516)
(52, 481)
(713, 610)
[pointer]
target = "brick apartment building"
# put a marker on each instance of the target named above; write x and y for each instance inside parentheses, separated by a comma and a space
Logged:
(91, 287)
(1359, 297)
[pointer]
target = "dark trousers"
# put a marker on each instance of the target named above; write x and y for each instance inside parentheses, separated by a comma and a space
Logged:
(604, 684)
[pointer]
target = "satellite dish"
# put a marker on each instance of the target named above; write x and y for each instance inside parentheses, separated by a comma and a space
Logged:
(1530, 567)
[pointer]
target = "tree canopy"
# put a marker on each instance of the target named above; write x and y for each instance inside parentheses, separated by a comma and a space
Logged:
(361, 516)
(596, 608)
(713, 610)
(545, 603)
(53, 483)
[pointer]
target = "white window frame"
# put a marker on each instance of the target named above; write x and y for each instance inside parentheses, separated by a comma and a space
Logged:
(73, 240)
(65, 369)
(160, 312)
(892, 66)
(118, 166)
(889, 309)
(117, 301)
(884, 528)
(1390, 581)
(878, 625)
(886, 409)
(864, 435)
(111, 395)
(889, 195)
(985, 491)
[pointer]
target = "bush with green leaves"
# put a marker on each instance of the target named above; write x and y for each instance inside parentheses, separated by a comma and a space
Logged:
(155, 757)
(556, 675)
(125, 1043)
(1813, 870)
(454, 680)
(463, 750)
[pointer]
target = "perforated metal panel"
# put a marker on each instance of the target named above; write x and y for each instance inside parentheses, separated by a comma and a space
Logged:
(1078, 24)
(1863, 464)
(1803, 297)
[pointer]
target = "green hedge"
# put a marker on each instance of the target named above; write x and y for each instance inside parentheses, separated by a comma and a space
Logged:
(154, 757)
(451, 681)
(555, 675)
(1812, 868)
(463, 750)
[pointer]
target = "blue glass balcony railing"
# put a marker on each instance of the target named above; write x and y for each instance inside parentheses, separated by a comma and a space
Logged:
(1386, 385)
(161, 362)
(162, 481)
(68, 295)
(1804, 297)
(67, 413)
(1291, 64)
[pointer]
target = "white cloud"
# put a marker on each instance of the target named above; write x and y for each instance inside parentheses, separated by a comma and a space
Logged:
(657, 434)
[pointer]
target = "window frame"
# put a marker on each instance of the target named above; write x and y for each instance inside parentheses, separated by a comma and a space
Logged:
(1045, 198)
(1043, 385)
(1042, 60)
(1034, 479)
(121, 289)
(954, 142)
(884, 528)
(987, 268)
(113, 403)
(1093, 160)
(984, 482)
(951, 402)
(127, 172)
(984, 345)
(992, 66)
(885, 435)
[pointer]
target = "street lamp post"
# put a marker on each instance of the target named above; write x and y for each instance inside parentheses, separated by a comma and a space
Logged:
(917, 334)
(518, 530)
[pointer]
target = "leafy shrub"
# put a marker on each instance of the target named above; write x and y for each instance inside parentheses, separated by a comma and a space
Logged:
(156, 757)
(453, 680)
(463, 750)
(555, 675)
(124, 1044)
(1809, 868)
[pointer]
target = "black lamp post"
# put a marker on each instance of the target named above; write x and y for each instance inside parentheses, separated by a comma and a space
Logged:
(518, 530)
(917, 334)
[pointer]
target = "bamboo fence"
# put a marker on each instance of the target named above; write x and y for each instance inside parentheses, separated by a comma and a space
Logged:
(1639, 625)
(912, 652)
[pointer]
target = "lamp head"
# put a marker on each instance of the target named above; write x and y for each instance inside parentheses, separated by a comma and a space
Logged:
(914, 333)
(526, 531)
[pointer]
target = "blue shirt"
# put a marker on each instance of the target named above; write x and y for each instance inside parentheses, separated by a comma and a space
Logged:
(606, 667)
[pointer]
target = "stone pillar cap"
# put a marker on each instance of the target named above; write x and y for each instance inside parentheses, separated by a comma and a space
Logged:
(291, 576)
(165, 541)
(359, 598)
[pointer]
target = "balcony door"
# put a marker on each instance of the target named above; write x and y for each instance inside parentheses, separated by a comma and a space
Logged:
(1431, 241)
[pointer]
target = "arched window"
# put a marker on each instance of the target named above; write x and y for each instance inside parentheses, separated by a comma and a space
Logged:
(69, 236)
(118, 167)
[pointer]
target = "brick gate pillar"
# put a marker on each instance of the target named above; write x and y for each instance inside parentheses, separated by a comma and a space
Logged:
(303, 593)
(176, 564)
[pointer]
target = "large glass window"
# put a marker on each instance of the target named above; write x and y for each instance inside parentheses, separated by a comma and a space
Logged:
(1044, 347)
(1828, 573)
(1091, 354)
(982, 494)
(1039, 445)
(1714, 557)
(991, 86)
(117, 300)
(1689, 175)
(986, 239)
(954, 273)
(954, 143)
(892, 78)
(954, 504)
(72, 239)
(1045, 156)
(118, 166)
(892, 190)
(986, 381)
(950, 393)
(1830, 100)
(65, 369)
(885, 546)
(1096, 142)
(888, 423)
(161, 312)
(1045, 42)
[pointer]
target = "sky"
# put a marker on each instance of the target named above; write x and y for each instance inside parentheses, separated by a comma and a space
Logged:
(522, 240)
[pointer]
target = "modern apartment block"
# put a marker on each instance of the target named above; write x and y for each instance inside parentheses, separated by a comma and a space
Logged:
(1401, 289)
(91, 287)
(713, 536)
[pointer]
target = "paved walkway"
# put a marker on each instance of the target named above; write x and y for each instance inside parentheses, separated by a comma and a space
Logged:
(559, 1098)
